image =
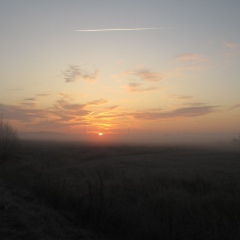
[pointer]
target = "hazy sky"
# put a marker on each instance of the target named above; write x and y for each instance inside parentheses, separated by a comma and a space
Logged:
(164, 66)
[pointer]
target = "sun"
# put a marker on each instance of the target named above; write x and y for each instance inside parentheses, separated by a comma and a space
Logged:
(100, 134)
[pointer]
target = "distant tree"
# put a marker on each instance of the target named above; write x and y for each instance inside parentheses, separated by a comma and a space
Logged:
(9, 140)
(237, 140)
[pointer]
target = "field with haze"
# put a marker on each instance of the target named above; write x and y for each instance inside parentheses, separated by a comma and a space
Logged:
(128, 117)
(127, 192)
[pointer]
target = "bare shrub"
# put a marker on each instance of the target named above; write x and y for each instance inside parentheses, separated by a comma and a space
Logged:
(9, 140)
(236, 141)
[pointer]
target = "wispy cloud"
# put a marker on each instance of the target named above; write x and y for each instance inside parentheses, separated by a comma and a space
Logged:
(231, 44)
(20, 113)
(65, 112)
(179, 97)
(184, 97)
(29, 102)
(74, 73)
(145, 74)
(112, 107)
(234, 107)
(65, 95)
(62, 104)
(138, 87)
(232, 50)
(125, 117)
(62, 112)
(194, 104)
(29, 99)
(179, 112)
(191, 57)
(117, 29)
(98, 102)
(43, 94)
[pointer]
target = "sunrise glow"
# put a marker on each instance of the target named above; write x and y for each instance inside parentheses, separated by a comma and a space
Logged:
(174, 75)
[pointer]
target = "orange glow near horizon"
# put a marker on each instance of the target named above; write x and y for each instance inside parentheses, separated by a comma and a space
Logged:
(100, 134)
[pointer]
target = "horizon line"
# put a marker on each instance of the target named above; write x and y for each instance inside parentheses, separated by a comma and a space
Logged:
(116, 29)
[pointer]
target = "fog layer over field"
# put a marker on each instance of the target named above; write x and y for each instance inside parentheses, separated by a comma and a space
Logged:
(134, 192)
(145, 138)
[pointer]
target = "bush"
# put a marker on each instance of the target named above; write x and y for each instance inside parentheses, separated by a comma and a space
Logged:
(8, 140)
(236, 141)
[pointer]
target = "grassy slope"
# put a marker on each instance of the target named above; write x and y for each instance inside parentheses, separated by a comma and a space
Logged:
(23, 216)
(136, 192)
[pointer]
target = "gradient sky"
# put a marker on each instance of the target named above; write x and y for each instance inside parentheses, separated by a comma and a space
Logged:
(164, 66)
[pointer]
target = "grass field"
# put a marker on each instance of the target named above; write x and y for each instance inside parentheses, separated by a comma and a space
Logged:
(134, 192)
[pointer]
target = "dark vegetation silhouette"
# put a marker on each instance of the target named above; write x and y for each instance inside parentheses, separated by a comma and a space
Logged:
(236, 141)
(135, 192)
(9, 141)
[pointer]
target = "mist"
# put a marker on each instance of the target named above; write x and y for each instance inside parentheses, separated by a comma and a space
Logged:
(153, 139)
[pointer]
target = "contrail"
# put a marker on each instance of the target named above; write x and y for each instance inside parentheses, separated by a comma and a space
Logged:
(117, 29)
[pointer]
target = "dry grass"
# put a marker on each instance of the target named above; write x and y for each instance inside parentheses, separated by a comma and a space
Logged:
(8, 140)
(136, 192)
(23, 216)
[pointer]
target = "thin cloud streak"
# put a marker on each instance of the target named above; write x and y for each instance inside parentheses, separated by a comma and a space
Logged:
(179, 97)
(29, 99)
(145, 74)
(193, 111)
(231, 44)
(63, 114)
(117, 29)
(74, 73)
(191, 57)
(98, 102)
(137, 87)
(234, 107)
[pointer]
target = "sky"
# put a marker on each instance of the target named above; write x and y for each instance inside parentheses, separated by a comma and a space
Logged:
(123, 68)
